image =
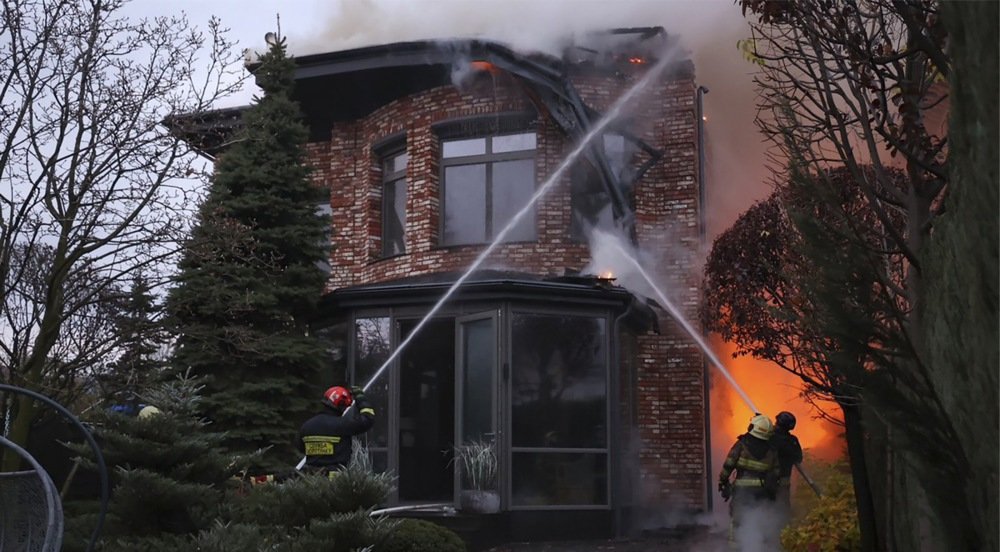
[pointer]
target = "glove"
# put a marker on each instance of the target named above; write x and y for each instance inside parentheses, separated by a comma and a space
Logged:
(357, 392)
(725, 489)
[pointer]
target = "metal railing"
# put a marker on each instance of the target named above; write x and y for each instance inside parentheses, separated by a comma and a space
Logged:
(53, 503)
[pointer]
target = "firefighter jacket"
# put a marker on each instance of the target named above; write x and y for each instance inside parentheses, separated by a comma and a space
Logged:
(326, 437)
(789, 451)
(756, 465)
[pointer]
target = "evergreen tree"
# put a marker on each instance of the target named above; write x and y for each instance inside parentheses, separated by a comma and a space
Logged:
(168, 473)
(142, 338)
(250, 278)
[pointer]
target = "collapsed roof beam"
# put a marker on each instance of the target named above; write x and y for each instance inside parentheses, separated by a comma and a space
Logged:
(554, 90)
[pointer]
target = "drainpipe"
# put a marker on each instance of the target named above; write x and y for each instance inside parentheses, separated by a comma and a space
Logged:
(616, 422)
(700, 113)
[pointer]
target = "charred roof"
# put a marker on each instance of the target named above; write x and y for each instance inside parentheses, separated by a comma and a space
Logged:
(349, 84)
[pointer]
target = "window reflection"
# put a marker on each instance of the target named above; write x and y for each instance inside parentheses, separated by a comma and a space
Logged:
(486, 181)
(372, 346)
(565, 479)
(394, 204)
(559, 386)
(513, 186)
(465, 204)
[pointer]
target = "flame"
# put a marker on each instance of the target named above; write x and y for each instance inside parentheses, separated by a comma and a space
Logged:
(636, 60)
(607, 275)
(480, 65)
(772, 389)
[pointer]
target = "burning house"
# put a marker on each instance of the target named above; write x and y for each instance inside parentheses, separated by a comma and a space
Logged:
(594, 401)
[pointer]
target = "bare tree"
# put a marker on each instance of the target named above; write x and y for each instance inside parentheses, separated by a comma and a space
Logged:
(92, 184)
(861, 85)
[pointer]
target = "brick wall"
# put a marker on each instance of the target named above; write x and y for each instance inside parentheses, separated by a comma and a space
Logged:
(670, 393)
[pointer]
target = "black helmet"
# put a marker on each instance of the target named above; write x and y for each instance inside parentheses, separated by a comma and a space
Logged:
(785, 420)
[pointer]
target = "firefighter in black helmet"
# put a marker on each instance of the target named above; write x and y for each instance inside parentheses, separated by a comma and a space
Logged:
(752, 491)
(789, 454)
(326, 437)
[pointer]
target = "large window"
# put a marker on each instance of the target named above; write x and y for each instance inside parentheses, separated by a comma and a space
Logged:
(537, 388)
(394, 203)
(559, 413)
(486, 182)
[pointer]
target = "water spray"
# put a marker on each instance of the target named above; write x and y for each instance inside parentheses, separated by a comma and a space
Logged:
(613, 112)
(679, 318)
(597, 130)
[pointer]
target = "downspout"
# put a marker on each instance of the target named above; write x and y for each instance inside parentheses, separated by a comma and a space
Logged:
(700, 113)
(616, 417)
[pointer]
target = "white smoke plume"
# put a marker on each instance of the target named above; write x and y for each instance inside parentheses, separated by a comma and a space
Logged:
(543, 26)
(707, 29)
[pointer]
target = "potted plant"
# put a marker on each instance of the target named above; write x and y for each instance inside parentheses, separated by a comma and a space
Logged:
(477, 461)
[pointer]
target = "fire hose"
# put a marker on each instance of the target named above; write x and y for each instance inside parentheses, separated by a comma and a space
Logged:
(808, 480)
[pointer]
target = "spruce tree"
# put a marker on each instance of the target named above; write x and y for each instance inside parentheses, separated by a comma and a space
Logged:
(250, 278)
(140, 361)
(168, 472)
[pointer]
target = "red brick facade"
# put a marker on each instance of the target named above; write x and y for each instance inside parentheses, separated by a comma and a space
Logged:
(669, 378)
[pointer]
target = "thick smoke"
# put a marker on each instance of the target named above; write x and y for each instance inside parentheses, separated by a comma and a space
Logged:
(709, 30)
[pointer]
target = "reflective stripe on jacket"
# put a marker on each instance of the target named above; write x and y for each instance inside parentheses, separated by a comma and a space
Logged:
(752, 470)
(326, 437)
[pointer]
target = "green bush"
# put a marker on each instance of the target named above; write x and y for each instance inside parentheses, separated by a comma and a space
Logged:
(417, 535)
(828, 523)
(311, 497)
(347, 532)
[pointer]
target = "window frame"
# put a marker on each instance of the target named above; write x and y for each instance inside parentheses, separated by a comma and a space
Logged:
(486, 128)
(505, 308)
(385, 152)
(580, 311)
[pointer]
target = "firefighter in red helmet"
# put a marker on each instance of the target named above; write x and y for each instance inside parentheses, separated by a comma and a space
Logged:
(326, 437)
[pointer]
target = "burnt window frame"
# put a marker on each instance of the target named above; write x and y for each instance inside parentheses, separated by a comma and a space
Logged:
(385, 151)
(486, 128)
(584, 178)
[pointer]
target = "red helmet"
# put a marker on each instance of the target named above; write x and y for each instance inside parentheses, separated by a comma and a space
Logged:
(338, 397)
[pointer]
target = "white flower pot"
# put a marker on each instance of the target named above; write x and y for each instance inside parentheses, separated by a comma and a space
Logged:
(480, 502)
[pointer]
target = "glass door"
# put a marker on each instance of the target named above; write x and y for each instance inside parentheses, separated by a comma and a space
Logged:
(426, 425)
(476, 390)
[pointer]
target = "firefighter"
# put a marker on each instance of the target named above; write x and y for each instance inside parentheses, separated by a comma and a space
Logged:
(789, 453)
(752, 492)
(326, 437)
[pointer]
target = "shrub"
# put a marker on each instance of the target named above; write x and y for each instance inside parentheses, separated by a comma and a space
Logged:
(417, 535)
(358, 486)
(347, 532)
(309, 497)
(290, 504)
(240, 537)
(829, 523)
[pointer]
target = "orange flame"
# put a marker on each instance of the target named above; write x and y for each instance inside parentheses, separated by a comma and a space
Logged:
(636, 60)
(772, 390)
(481, 65)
